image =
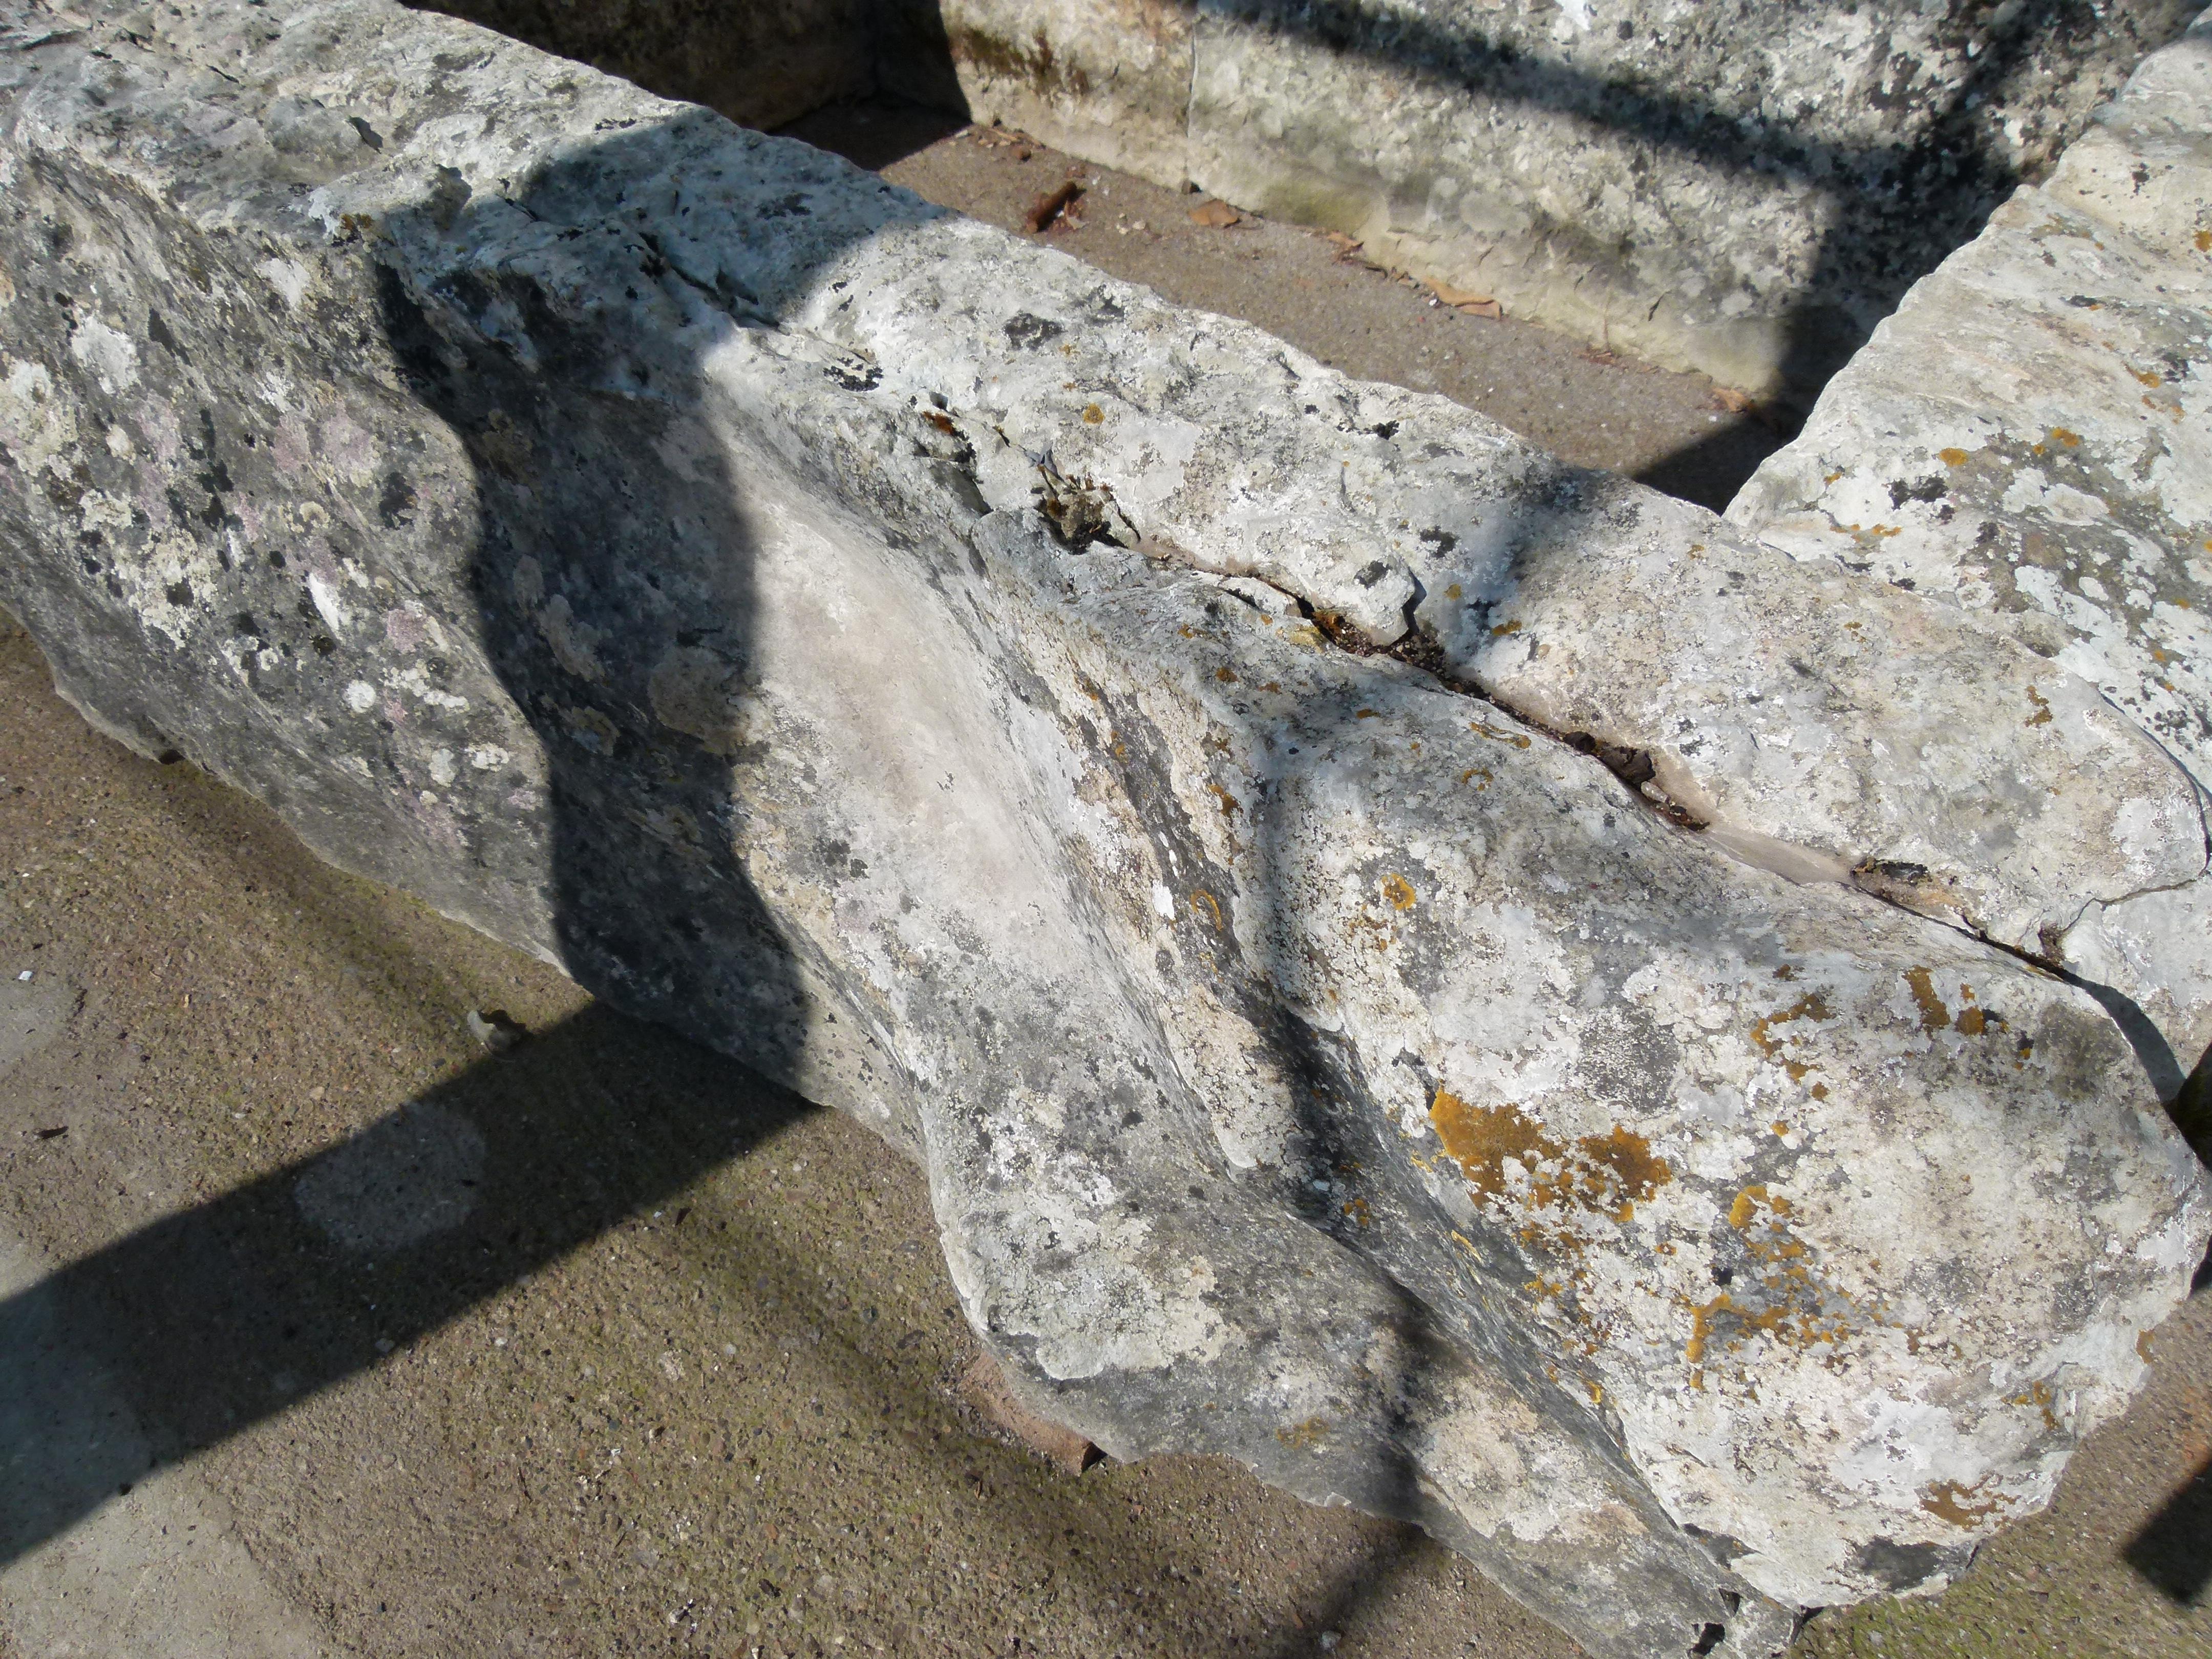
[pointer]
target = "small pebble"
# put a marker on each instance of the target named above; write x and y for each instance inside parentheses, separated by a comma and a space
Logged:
(495, 1030)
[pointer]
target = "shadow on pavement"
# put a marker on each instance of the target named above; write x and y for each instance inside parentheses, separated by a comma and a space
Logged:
(213, 1319)
(2174, 1552)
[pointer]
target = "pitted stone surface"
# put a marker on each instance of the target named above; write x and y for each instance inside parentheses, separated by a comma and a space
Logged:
(650, 542)
(2029, 442)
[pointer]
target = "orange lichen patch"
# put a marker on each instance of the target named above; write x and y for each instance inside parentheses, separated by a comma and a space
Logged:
(1745, 1210)
(1819, 1091)
(1596, 1392)
(1701, 1318)
(1952, 457)
(2204, 241)
(1357, 1209)
(2142, 1345)
(1093, 414)
(1366, 713)
(1636, 1168)
(1199, 896)
(1934, 1016)
(1516, 738)
(1229, 807)
(1504, 629)
(1780, 1127)
(1961, 1506)
(1482, 1139)
(2038, 1395)
(1811, 1006)
(1605, 1174)
(2071, 439)
(1482, 772)
(2042, 714)
(1399, 891)
(1306, 1435)
(1972, 1019)
(2149, 376)
(1227, 675)
(1782, 1297)
(1454, 592)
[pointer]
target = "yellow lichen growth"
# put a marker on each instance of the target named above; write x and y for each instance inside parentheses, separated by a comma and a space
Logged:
(1952, 457)
(2071, 439)
(2042, 714)
(1399, 891)
(1306, 1435)
(1093, 414)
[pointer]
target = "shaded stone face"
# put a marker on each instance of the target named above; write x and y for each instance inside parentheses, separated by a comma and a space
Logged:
(1039, 721)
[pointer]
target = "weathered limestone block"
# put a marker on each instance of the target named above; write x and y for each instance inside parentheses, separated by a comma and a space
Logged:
(2028, 443)
(1742, 188)
(676, 552)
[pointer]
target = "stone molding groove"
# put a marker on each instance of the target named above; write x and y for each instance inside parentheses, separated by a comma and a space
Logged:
(1190, 802)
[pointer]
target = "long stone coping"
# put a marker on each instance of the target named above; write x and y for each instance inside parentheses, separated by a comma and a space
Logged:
(1079, 736)
(2027, 446)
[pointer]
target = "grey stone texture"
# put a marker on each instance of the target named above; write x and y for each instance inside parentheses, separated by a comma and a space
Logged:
(1041, 722)
(1742, 188)
(2027, 444)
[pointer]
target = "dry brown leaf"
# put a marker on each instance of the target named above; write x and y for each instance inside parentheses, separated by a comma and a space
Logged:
(983, 1386)
(1456, 296)
(1220, 215)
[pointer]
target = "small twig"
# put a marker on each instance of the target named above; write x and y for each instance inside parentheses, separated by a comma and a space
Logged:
(1049, 206)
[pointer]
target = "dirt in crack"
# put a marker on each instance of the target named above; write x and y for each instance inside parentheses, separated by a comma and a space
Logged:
(1417, 648)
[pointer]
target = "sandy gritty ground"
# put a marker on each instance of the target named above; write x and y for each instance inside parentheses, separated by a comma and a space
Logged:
(324, 1331)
